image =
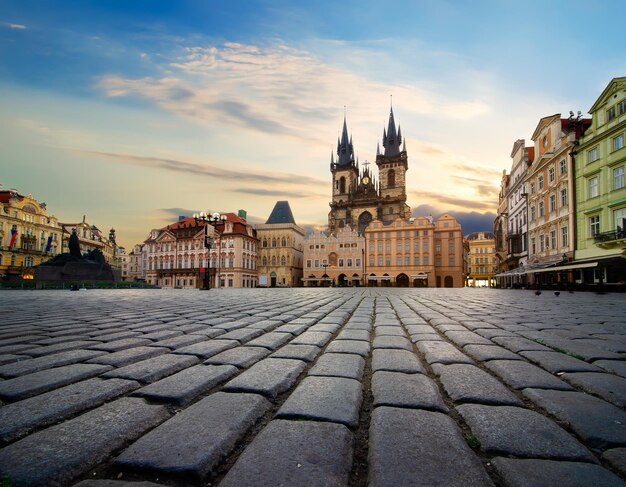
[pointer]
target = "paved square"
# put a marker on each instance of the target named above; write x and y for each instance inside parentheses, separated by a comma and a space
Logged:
(309, 386)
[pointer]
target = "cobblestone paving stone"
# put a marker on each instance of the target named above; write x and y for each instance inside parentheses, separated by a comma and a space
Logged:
(328, 387)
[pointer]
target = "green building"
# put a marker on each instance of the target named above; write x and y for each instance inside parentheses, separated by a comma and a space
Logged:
(600, 159)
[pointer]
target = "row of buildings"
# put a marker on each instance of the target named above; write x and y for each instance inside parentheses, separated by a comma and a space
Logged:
(562, 207)
(30, 236)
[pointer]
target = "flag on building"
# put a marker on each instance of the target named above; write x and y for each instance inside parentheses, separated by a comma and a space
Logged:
(13, 236)
(49, 244)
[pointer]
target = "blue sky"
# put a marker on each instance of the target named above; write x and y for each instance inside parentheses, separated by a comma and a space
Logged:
(133, 112)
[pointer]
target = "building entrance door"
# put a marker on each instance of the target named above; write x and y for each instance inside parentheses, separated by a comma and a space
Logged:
(273, 279)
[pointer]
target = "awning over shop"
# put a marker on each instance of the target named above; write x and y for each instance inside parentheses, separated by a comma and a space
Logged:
(564, 267)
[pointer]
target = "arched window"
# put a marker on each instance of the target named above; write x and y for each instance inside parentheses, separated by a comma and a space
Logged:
(283, 261)
(273, 242)
(273, 260)
(283, 242)
(264, 260)
(391, 178)
(342, 185)
(264, 243)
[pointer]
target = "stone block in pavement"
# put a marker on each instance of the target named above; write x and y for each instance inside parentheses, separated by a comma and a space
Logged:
(117, 345)
(183, 387)
(8, 358)
(442, 353)
(426, 337)
(271, 341)
(317, 338)
(325, 327)
(128, 356)
(27, 365)
(609, 387)
(115, 483)
(157, 335)
(468, 383)
(617, 459)
(357, 347)
(394, 342)
(207, 348)
(390, 331)
(19, 418)
(298, 352)
(396, 361)
(406, 390)
(410, 447)
(45, 380)
(348, 334)
(195, 440)
(334, 399)
(617, 367)
(549, 473)
(294, 329)
(555, 362)
(520, 375)
(462, 338)
(420, 329)
(154, 368)
(269, 377)
(180, 341)
(522, 433)
(339, 365)
(587, 352)
(241, 357)
(484, 353)
(58, 454)
(242, 335)
(600, 424)
(519, 344)
(295, 453)
(60, 347)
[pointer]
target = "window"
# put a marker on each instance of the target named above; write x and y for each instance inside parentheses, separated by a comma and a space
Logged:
(388, 261)
(592, 155)
(541, 209)
(540, 182)
(438, 261)
(380, 246)
(380, 261)
(594, 225)
(542, 243)
(407, 260)
(618, 142)
(357, 262)
(451, 261)
(563, 167)
(618, 177)
(371, 260)
(621, 107)
(283, 242)
(450, 247)
(593, 187)
(407, 245)
(283, 261)
(348, 262)
(564, 237)
(532, 213)
(533, 245)
(551, 175)
(388, 246)
(563, 197)
(371, 248)
(610, 114)
(391, 178)
(426, 246)
(308, 262)
(416, 260)
(416, 245)
(437, 246)
(399, 246)
(552, 202)
(532, 188)
(399, 260)
(340, 262)
(553, 239)
(426, 260)
(317, 263)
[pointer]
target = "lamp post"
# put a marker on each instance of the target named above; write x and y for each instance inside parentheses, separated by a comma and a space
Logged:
(212, 219)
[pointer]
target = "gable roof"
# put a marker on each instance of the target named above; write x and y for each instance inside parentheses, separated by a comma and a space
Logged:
(614, 85)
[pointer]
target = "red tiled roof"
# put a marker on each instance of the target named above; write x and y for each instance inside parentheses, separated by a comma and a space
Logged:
(5, 195)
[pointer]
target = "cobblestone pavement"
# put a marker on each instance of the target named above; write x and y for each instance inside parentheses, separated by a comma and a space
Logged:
(325, 387)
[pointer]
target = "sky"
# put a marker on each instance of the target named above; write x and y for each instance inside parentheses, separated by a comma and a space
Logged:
(135, 112)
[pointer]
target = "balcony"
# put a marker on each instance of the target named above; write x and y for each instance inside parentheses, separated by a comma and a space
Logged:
(609, 239)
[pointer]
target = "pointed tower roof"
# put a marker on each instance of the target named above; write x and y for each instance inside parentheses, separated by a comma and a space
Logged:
(344, 147)
(281, 213)
(392, 139)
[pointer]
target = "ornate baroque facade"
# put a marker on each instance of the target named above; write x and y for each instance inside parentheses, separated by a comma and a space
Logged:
(28, 235)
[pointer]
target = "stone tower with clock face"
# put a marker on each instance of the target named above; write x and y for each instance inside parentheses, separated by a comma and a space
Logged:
(357, 198)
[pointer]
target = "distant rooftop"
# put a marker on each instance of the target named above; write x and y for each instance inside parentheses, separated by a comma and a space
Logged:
(281, 213)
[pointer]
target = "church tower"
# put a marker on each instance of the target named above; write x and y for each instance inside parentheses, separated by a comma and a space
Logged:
(345, 178)
(392, 166)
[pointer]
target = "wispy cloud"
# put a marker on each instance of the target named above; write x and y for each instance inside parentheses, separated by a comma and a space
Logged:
(206, 170)
(11, 25)
(279, 193)
(452, 202)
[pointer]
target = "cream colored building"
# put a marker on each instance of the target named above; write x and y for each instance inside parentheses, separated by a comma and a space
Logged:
(420, 252)
(28, 235)
(482, 262)
(335, 259)
(137, 263)
(281, 248)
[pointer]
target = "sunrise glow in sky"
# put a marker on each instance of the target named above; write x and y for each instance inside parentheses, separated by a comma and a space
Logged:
(135, 112)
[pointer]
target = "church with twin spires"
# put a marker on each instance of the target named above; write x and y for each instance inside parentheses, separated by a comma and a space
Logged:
(358, 197)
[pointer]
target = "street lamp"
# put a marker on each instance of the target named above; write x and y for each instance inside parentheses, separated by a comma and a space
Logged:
(212, 219)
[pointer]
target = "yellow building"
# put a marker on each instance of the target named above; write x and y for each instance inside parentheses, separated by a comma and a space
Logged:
(335, 259)
(28, 235)
(482, 262)
(281, 248)
(419, 252)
